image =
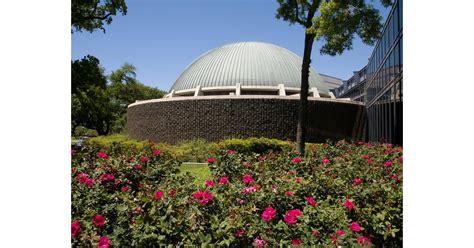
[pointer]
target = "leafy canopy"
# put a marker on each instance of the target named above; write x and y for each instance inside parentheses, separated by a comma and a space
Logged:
(90, 15)
(334, 21)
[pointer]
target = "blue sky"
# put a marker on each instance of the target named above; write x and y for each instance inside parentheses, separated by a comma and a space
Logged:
(162, 37)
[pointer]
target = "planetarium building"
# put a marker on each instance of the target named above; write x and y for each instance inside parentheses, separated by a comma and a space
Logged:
(241, 90)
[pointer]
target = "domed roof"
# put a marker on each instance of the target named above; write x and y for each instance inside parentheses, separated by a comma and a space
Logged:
(247, 63)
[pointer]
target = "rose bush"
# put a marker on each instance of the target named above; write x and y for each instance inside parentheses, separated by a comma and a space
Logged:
(339, 194)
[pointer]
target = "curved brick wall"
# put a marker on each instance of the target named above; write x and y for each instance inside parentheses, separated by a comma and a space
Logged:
(218, 117)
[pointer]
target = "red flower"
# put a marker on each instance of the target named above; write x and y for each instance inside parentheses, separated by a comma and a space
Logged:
(156, 152)
(75, 229)
(261, 158)
(290, 217)
(89, 182)
(124, 188)
(355, 227)
(259, 242)
(298, 180)
(138, 166)
(296, 160)
(104, 242)
(296, 242)
(203, 197)
(72, 152)
(333, 239)
(398, 150)
(311, 201)
(400, 159)
(388, 151)
(395, 177)
(231, 152)
(388, 163)
(370, 161)
(209, 183)
(81, 177)
(239, 233)
(247, 179)
(250, 189)
(103, 155)
(360, 142)
(158, 195)
(349, 205)
(211, 160)
(248, 165)
(289, 193)
(340, 233)
(363, 240)
(98, 221)
(144, 159)
(357, 181)
(326, 161)
(223, 180)
(290, 172)
(105, 177)
(268, 214)
(172, 192)
(365, 157)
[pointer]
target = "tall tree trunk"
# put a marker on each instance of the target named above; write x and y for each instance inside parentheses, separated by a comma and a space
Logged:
(301, 130)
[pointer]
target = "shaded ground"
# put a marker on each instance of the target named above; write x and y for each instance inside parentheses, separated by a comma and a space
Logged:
(200, 171)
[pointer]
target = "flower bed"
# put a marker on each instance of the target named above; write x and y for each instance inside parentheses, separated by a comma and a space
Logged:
(338, 195)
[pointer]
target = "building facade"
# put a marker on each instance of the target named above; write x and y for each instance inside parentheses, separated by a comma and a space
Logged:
(382, 87)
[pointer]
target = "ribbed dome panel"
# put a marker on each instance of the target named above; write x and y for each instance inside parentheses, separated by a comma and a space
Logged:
(247, 63)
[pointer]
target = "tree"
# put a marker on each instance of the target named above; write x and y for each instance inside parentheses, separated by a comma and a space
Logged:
(336, 24)
(94, 14)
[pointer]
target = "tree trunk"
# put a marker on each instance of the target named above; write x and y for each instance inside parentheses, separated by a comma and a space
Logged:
(301, 130)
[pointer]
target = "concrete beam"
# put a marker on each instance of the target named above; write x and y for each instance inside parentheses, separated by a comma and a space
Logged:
(315, 92)
(332, 95)
(281, 90)
(237, 89)
(198, 91)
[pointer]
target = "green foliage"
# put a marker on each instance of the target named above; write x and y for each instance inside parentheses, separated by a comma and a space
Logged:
(200, 172)
(134, 218)
(196, 150)
(254, 145)
(81, 131)
(90, 15)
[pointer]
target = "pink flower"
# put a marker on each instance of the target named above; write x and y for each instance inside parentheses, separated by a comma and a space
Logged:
(261, 158)
(98, 221)
(395, 177)
(259, 242)
(158, 195)
(369, 145)
(398, 150)
(370, 161)
(290, 217)
(289, 193)
(315, 233)
(360, 142)
(326, 161)
(388, 151)
(156, 152)
(103, 155)
(388, 163)
(82, 177)
(75, 229)
(296, 242)
(249, 189)
(89, 182)
(365, 157)
(211, 160)
(138, 166)
(340, 233)
(223, 180)
(239, 233)
(248, 165)
(124, 188)
(231, 152)
(311, 201)
(349, 205)
(357, 181)
(355, 227)
(296, 160)
(298, 180)
(268, 214)
(209, 184)
(247, 179)
(104, 242)
(203, 197)
(106, 177)
(144, 159)
(72, 152)
(333, 239)
(363, 240)
(400, 159)
(172, 192)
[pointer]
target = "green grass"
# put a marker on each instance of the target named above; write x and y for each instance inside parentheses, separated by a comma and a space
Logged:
(200, 172)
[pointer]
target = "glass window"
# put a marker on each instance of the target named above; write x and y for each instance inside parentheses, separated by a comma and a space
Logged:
(390, 65)
(400, 10)
(397, 58)
(401, 53)
(395, 21)
(389, 32)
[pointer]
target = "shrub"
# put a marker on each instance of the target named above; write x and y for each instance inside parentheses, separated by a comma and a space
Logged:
(81, 131)
(153, 204)
(196, 150)
(254, 145)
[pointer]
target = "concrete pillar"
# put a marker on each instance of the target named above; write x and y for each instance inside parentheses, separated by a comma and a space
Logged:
(198, 91)
(237, 89)
(315, 92)
(281, 90)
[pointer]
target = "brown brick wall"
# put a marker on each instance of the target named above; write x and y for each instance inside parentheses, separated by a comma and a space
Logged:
(233, 117)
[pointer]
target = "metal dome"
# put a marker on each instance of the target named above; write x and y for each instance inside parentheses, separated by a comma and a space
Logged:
(248, 64)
